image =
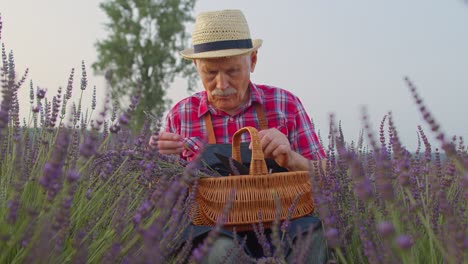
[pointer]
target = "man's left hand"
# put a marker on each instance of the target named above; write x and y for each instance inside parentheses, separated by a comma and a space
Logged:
(276, 145)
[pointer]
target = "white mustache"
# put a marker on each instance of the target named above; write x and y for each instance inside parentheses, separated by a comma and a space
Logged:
(226, 92)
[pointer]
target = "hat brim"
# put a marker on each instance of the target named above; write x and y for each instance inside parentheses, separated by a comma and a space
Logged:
(190, 55)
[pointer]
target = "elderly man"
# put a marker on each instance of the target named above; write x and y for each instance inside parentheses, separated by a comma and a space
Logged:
(225, 56)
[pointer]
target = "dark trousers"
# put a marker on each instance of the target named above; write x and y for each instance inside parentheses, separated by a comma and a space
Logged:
(225, 250)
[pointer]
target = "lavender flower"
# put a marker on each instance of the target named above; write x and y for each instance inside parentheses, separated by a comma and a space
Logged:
(40, 93)
(13, 206)
(93, 101)
(115, 128)
(287, 221)
(68, 93)
(259, 231)
(73, 176)
(3, 119)
(88, 193)
(332, 236)
(385, 228)
(404, 241)
(88, 148)
(84, 79)
(51, 179)
(123, 119)
(36, 109)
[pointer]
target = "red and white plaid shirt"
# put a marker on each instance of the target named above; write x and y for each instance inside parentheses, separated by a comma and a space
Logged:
(283, 110)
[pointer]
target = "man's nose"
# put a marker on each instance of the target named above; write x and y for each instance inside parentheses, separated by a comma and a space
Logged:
(222, 81)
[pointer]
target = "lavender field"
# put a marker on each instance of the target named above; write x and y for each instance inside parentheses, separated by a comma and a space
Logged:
(79, 185)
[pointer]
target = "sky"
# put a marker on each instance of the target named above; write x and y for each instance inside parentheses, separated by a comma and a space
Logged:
(336, 56)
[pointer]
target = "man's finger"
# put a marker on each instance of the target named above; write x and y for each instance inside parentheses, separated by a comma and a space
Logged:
(169, 144)
(265, 140)
(171, 151)
(153, 142)
(281, 158)
(169, 136)
(262, 133)
(269, 149)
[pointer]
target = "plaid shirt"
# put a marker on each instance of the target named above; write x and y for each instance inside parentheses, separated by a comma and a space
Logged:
(283, 111)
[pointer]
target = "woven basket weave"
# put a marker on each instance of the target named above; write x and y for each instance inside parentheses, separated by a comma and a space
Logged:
(254, 193)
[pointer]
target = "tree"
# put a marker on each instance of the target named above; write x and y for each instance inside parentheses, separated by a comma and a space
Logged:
(140, 52)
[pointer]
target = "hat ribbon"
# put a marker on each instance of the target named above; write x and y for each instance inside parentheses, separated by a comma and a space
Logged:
(223, 45)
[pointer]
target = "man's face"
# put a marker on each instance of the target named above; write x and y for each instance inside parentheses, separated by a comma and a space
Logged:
(226, 80)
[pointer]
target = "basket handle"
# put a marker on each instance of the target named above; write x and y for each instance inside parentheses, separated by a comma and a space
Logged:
(257, 164)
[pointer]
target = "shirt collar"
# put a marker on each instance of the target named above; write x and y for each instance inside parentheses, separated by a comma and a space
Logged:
(255, 96)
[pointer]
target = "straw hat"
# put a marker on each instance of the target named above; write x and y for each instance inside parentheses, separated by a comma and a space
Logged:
(220, 34)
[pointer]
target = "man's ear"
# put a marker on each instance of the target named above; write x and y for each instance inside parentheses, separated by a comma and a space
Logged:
(253, 60)
(194, 62)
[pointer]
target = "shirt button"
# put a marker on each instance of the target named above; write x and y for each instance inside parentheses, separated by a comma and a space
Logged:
(195, 147)
(231, 119)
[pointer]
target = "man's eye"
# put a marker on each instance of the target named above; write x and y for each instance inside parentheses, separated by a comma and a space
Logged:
(233, 71)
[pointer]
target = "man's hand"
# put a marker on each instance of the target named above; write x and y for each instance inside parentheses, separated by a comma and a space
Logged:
(276, 145)
(167, 143)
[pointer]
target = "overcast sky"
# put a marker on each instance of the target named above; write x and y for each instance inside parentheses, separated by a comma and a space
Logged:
(337, 56)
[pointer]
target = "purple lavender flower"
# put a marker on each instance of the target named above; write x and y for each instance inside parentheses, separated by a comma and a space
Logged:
(142, 211)
(31, 92)
(404, 241)
(73, 176)
(385, 228)
(3, 118)
(115, 128)
(40, 93)
(69, 89)
(93, 101)
(137, 219)
(88, 148)
(333, 237)
(464, 184)
(36, 109)
(84, 79)
(55, 109)
(287, 221)
(51, 179)
(123, 119)
(364, 189)
(88, 194)
(259, 230)
(13, 206)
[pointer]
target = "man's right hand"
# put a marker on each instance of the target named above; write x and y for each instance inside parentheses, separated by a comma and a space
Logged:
(167, 143)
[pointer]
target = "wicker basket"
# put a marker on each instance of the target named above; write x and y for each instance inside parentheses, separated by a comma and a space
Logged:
(254, 193)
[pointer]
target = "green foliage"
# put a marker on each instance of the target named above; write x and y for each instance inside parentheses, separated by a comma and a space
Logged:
(140, 53)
